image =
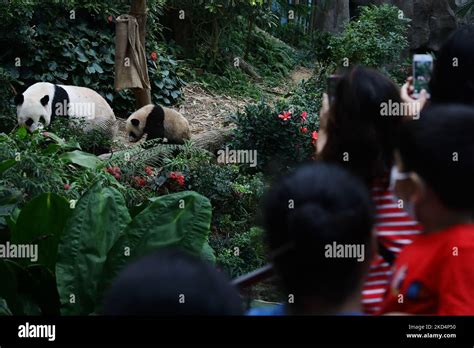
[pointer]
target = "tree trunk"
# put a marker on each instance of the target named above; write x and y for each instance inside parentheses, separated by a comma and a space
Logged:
(138, 10)
(212, 140)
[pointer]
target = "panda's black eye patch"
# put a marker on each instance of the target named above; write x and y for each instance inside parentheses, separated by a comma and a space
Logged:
(132, 135)
(135, 122)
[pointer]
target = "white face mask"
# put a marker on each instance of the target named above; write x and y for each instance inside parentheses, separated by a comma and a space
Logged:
(395, 176)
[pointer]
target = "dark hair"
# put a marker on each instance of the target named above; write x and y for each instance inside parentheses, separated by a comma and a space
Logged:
(314, 207)
(356, 126)
(154, 285)
(430, 147)
(450, 83)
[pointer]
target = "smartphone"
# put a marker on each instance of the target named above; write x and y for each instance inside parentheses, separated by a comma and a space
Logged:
(333, 81)
(422, 70)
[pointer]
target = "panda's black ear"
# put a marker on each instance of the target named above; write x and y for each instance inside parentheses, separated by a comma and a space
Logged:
(135, 122)
(19, 99)
(44, 101)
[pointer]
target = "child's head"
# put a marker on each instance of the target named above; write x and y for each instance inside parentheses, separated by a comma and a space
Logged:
(172, 282)
(309, 216)
(453, 75)
(436, 156)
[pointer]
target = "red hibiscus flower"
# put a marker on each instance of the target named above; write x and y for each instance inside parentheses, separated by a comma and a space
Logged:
(154, 56)
(149, 171)
(110, 19)
(141, 182)
(180, 180)
(285, 116)
(115, 171)
(67, 186)
(314, 137)
(304, 116)
(304, 130)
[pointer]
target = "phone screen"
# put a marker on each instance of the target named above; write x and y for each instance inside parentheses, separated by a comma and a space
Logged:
(422, 70)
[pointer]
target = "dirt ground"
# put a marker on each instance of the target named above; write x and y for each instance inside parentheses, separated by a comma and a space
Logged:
(206, 111)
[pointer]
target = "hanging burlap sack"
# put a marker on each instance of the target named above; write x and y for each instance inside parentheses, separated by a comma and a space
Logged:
(130, 57)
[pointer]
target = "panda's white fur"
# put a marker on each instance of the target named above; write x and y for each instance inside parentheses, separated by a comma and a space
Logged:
(35, 106)
(158, 122)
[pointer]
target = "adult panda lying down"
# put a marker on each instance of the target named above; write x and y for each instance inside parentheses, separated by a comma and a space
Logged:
(41, 103)
(158, 122)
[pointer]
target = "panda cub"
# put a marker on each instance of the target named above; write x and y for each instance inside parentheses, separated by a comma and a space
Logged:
(41, 103)
(158, 122)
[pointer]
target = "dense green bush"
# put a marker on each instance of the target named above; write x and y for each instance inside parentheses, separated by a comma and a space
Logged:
(53, 44)
(376, 39)
(283, 136)
(241, 252)
(82, 248)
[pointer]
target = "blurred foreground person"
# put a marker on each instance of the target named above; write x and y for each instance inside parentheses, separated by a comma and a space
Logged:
(356, 134)
(453, 75)
(318, 224)
(435, 161)
(172, 282)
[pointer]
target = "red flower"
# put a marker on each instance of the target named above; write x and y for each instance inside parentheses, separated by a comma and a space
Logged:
(154, 56)
(180, 180)
(314, 137)
(304, 130)
(115, 171)
(110, 19)
(141, 182)
(149, 171)
(285, 116)
(304, 116)
(67, 186)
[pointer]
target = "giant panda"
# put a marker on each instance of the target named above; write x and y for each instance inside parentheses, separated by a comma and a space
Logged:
(42, 102)
(158, 122)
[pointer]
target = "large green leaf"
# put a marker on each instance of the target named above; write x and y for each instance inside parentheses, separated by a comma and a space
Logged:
(40, 224)
(180, 220)
(82, 159)
(95, 225)
(7, 164)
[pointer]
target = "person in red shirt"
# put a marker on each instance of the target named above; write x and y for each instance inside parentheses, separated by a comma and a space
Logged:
(434, 181)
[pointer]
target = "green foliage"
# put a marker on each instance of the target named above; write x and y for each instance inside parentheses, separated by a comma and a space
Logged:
(41, 222)
(241, 253)
(94, 141)
(93, 243)
(230, 191)
(42, 163)
(56, 48)
(94, 227)
(280, 143)
(376, 39)
(235, 200)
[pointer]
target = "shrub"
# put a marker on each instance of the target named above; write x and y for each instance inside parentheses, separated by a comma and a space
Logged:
(283, 136)
(81, 250)
(50, 46)
(241, 253)
(376, 39)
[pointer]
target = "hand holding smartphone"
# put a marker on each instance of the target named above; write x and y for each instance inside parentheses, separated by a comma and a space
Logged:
(422, 70)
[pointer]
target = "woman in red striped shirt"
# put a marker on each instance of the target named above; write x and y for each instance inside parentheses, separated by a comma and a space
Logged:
(358, 131)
